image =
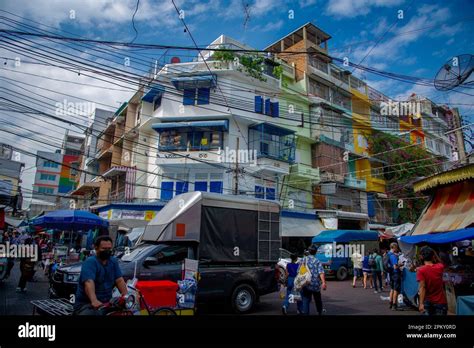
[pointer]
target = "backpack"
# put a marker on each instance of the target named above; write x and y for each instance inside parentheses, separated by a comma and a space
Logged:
(387, 266)
(371, 262)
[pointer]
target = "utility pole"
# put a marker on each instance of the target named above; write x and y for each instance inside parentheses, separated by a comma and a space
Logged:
(236, 173)
(459, 136)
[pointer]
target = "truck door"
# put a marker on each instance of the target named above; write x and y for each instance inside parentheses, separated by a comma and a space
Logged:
(164, 264)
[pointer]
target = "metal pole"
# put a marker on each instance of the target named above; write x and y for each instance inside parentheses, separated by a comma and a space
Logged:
(236, 174)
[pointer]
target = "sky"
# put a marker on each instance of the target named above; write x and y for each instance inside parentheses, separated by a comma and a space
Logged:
(401, 36)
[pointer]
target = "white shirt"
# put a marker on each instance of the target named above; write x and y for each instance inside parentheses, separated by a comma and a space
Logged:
(357, 260)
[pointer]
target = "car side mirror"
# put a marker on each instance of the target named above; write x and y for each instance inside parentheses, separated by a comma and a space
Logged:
(150, 261)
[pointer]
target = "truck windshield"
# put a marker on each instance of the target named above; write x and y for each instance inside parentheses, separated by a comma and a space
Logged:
(164, 253)
(325, 249)
(137, 253)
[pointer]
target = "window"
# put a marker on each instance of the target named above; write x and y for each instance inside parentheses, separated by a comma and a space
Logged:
(273, 142)
(50, 164)
(48, 177)
(265, 190)
(48, 190)
(438, 147)
(182, 183)
(172, 254)
(271, 108)
(166, 190)
(156, 104)
(190, 139)
(199, 96)
(203, 96)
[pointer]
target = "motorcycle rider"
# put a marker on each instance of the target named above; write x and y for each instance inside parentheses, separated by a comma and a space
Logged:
(99, 275)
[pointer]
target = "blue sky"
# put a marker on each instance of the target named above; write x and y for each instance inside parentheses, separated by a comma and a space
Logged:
(418, 44)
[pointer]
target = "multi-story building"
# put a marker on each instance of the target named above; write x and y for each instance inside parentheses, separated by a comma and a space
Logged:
(210, 114)
(340, 194)
(10, 182)
(56, 174)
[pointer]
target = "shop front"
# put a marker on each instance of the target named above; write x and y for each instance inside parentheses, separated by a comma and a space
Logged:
(447, 225)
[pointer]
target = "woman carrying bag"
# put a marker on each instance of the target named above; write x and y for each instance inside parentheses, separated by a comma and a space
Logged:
(309, 281)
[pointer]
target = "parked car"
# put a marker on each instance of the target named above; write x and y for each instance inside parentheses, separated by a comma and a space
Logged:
(220, 231)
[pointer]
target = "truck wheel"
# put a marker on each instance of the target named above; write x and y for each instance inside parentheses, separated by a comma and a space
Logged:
(243, 299)
(341, 273)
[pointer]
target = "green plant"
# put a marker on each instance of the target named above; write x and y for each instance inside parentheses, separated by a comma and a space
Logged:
(224, 55)
(278, 71)
(253, 66)
(406, 164)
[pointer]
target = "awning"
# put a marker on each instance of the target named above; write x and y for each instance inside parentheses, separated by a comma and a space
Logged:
(449, 177)
(272, 129)
(294, 227)
(114, 171)
(451, 209)
(331, 214)
(194, 81)
(85, 188)
(153, 91)
(15, 222)
(121, 108)
(397, 231)
(441, 238)
(219, 124)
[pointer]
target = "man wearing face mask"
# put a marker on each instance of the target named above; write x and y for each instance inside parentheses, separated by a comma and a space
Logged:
(99, 275)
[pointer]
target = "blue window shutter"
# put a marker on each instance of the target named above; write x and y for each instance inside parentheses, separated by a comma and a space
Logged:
(216, 186)
(268, 104)
(166, 190)
(259, 104)
(370, 205)
(181, 187)
(270, 193)
(259, 192)
(188, 96)
(275, 109)
(200, 186)
(203, 96)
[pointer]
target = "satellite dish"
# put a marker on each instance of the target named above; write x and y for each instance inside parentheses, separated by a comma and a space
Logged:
(175, 60)
(454, 72)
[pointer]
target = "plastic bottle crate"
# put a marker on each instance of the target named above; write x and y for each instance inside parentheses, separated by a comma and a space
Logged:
(158, 293)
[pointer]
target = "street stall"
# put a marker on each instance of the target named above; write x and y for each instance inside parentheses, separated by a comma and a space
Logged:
(72, 225)
(447, 225)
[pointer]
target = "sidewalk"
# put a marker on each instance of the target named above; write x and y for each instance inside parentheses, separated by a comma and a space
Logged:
(15, 303)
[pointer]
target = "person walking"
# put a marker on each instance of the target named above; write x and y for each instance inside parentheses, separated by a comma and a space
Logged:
(395, 275)
(27, 269)
(367, 271)
(375, 262)
(318, 282)
(291, 272)
(431, 286)
(356, 259)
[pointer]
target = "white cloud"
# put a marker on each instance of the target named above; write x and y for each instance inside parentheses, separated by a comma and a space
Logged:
(355, 8)
(306, 3)
(270, 26)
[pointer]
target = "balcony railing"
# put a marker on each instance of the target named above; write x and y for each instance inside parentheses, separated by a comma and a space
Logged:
(352, 182)
(331, 177)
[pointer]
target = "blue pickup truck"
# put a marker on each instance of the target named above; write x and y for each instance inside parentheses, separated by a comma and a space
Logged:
(335, 248)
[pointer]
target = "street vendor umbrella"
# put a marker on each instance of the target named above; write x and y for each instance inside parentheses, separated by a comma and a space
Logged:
(72, 220)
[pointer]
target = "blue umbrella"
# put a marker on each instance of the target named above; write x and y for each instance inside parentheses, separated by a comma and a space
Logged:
(72, 220)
